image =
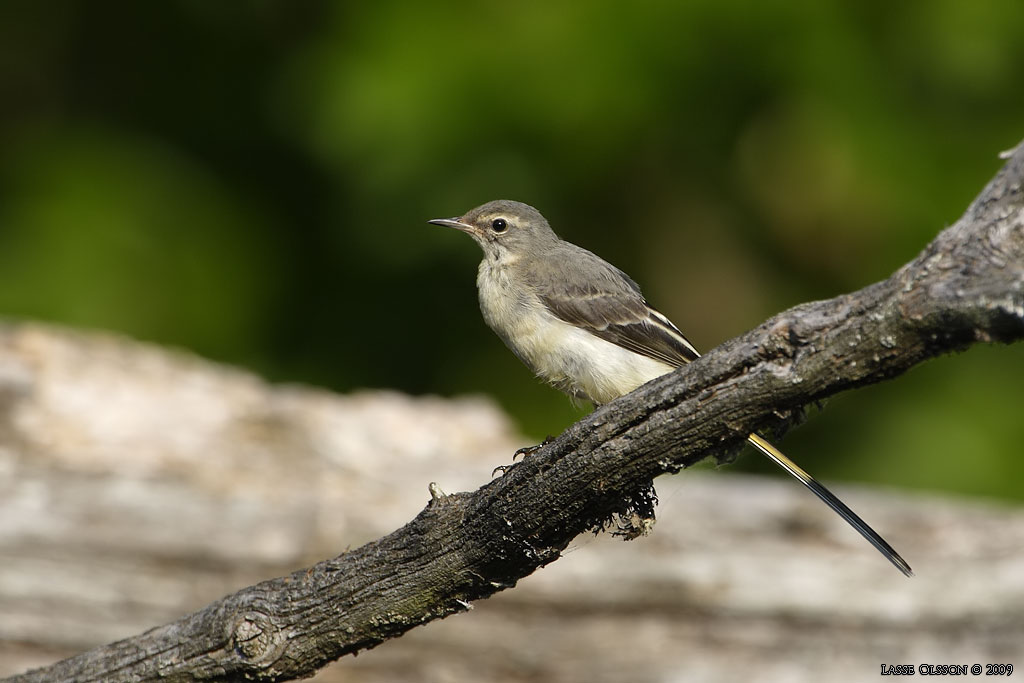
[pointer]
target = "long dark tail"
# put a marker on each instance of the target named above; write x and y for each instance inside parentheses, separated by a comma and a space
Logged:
(832, 501)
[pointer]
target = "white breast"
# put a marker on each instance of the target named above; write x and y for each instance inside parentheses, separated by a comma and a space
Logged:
(567, 357)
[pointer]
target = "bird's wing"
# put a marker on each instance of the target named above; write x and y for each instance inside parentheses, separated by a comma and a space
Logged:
(609, 305)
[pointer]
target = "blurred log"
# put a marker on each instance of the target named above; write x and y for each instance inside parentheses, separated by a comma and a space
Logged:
(137, 485)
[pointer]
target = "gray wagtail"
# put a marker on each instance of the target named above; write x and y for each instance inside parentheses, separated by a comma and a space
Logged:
(583, 326)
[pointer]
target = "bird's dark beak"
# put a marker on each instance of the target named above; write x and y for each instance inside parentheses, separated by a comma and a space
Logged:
(453, 223)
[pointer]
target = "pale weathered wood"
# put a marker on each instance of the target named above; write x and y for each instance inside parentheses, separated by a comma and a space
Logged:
(201, 442)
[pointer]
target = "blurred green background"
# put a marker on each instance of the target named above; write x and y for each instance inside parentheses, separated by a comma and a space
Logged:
(250, 180)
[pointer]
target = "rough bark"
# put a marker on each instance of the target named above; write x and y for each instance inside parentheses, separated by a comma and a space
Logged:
(967, 286)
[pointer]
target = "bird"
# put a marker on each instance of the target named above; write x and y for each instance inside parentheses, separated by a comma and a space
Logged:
(584, 327)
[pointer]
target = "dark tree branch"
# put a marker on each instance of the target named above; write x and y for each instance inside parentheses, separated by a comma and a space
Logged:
(967, 286)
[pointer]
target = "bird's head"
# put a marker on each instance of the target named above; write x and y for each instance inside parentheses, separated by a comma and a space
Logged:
(504, 229)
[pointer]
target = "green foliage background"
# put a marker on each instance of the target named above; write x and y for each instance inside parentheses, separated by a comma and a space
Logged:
(251, 179)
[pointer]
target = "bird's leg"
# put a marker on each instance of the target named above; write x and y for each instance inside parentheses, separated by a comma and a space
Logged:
(524, 451)
(530, 450)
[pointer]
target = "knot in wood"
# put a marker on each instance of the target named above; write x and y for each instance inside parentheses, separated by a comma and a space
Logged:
(256, 638)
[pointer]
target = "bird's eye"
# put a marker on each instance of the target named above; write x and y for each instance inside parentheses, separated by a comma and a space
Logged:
(499, 225)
